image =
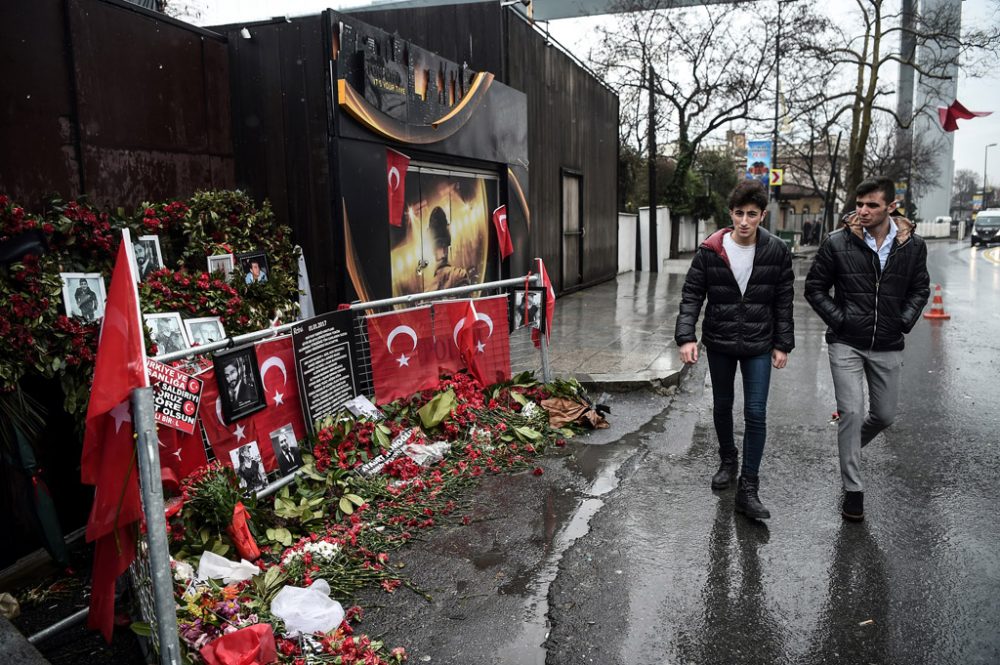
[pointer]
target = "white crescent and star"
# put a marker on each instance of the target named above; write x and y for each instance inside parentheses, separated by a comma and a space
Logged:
(274, 361)
(503, 221)
(403, 359)
(394, 173)
(480, 347)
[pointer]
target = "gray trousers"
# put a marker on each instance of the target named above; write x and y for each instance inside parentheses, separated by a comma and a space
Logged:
(851, 368)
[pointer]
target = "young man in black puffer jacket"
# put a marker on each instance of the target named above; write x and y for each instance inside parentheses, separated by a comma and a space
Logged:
(877, 268)
(746, 275)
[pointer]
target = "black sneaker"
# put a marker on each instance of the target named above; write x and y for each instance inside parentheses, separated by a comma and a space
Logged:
(726, 474)
(853, 509)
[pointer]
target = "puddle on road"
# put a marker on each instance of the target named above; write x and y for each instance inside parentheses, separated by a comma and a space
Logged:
(600, 466)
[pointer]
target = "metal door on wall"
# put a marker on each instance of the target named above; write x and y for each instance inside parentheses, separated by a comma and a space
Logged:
(572, 230)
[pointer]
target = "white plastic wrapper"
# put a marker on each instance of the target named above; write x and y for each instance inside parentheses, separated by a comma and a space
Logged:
(307, 611)
(428, 454)
(213, 566)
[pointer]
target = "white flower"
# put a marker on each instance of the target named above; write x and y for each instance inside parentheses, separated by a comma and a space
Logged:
(182, 571)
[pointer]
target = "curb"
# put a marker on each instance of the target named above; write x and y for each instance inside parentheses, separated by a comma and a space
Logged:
(618, 383)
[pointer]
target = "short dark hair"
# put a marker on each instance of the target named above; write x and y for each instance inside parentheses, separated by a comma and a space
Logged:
(747, 192)
(879, 183)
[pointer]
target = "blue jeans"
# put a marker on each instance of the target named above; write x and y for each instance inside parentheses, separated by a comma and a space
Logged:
(756, 372)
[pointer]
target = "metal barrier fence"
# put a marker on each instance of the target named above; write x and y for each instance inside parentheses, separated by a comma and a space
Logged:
(150, 573)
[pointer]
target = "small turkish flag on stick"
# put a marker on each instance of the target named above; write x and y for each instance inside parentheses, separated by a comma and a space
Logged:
(109, 456)
(396, 164)
(950, 115)
(503, 232)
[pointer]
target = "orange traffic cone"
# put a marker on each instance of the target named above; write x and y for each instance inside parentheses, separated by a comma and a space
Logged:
(937, 306)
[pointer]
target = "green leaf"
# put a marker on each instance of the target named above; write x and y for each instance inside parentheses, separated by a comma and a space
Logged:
(519, 398)
(355, 499)
(382, 437)
(204, 535)
(346, 506)
(527, 434)
(436, 410)
(142, 628)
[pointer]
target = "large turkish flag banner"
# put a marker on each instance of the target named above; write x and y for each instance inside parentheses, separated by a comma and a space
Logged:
(402, 352)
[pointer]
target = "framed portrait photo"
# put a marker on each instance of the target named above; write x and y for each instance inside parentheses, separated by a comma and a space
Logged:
(167, 332)
(83, 295)
(286, 449)
(204, 330)
(249, 467)
(148, 258)
(240, 389)
(526, 310)
(224, 263)
(254, 266)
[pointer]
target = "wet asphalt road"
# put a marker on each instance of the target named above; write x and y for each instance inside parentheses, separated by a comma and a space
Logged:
(620, 553)
(667, 574)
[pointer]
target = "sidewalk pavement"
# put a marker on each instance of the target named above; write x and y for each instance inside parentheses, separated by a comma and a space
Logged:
(620, 333)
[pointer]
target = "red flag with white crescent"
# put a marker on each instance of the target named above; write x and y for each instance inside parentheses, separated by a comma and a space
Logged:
(109, 456)
(402, 352)
(503, 232)
(396, 164)
(281, 392)
(550, 306)
(478, 333)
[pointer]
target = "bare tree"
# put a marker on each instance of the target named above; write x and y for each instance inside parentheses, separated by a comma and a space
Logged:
(866, 52)
(714, 66)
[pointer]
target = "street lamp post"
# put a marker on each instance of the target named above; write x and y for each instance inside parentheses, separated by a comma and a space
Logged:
(986, 152)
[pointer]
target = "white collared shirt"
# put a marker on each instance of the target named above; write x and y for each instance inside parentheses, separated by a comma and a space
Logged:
(883, 251)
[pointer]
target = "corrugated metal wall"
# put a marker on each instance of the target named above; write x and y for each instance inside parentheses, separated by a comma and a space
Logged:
(112, 101)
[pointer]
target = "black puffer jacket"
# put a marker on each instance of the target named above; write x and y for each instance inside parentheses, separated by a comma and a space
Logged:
(870, 308)
(748, 324)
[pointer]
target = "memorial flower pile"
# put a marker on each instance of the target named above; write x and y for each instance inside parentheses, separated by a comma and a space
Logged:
(310, 535)
(44, 340)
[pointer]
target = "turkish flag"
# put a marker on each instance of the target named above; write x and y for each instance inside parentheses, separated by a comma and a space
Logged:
(402, 352)
(180, 454)
(950, 115)
(503, 233)
(281, 392)
(550, 306)
(396, 164)
(446, 314)
(221, 437)
(109, 455)
(480, 337)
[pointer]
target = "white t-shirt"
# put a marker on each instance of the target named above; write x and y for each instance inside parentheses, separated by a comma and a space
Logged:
(740, 260)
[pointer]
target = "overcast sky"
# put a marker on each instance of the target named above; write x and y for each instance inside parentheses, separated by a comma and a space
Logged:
(981, 94)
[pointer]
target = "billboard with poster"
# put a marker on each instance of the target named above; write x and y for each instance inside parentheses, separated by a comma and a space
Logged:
(759, 161)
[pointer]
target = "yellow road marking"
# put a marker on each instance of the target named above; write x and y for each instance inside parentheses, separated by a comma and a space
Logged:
(992, 255)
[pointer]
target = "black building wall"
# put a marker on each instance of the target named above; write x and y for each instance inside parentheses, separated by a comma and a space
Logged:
(572, 120)
(112, 101)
